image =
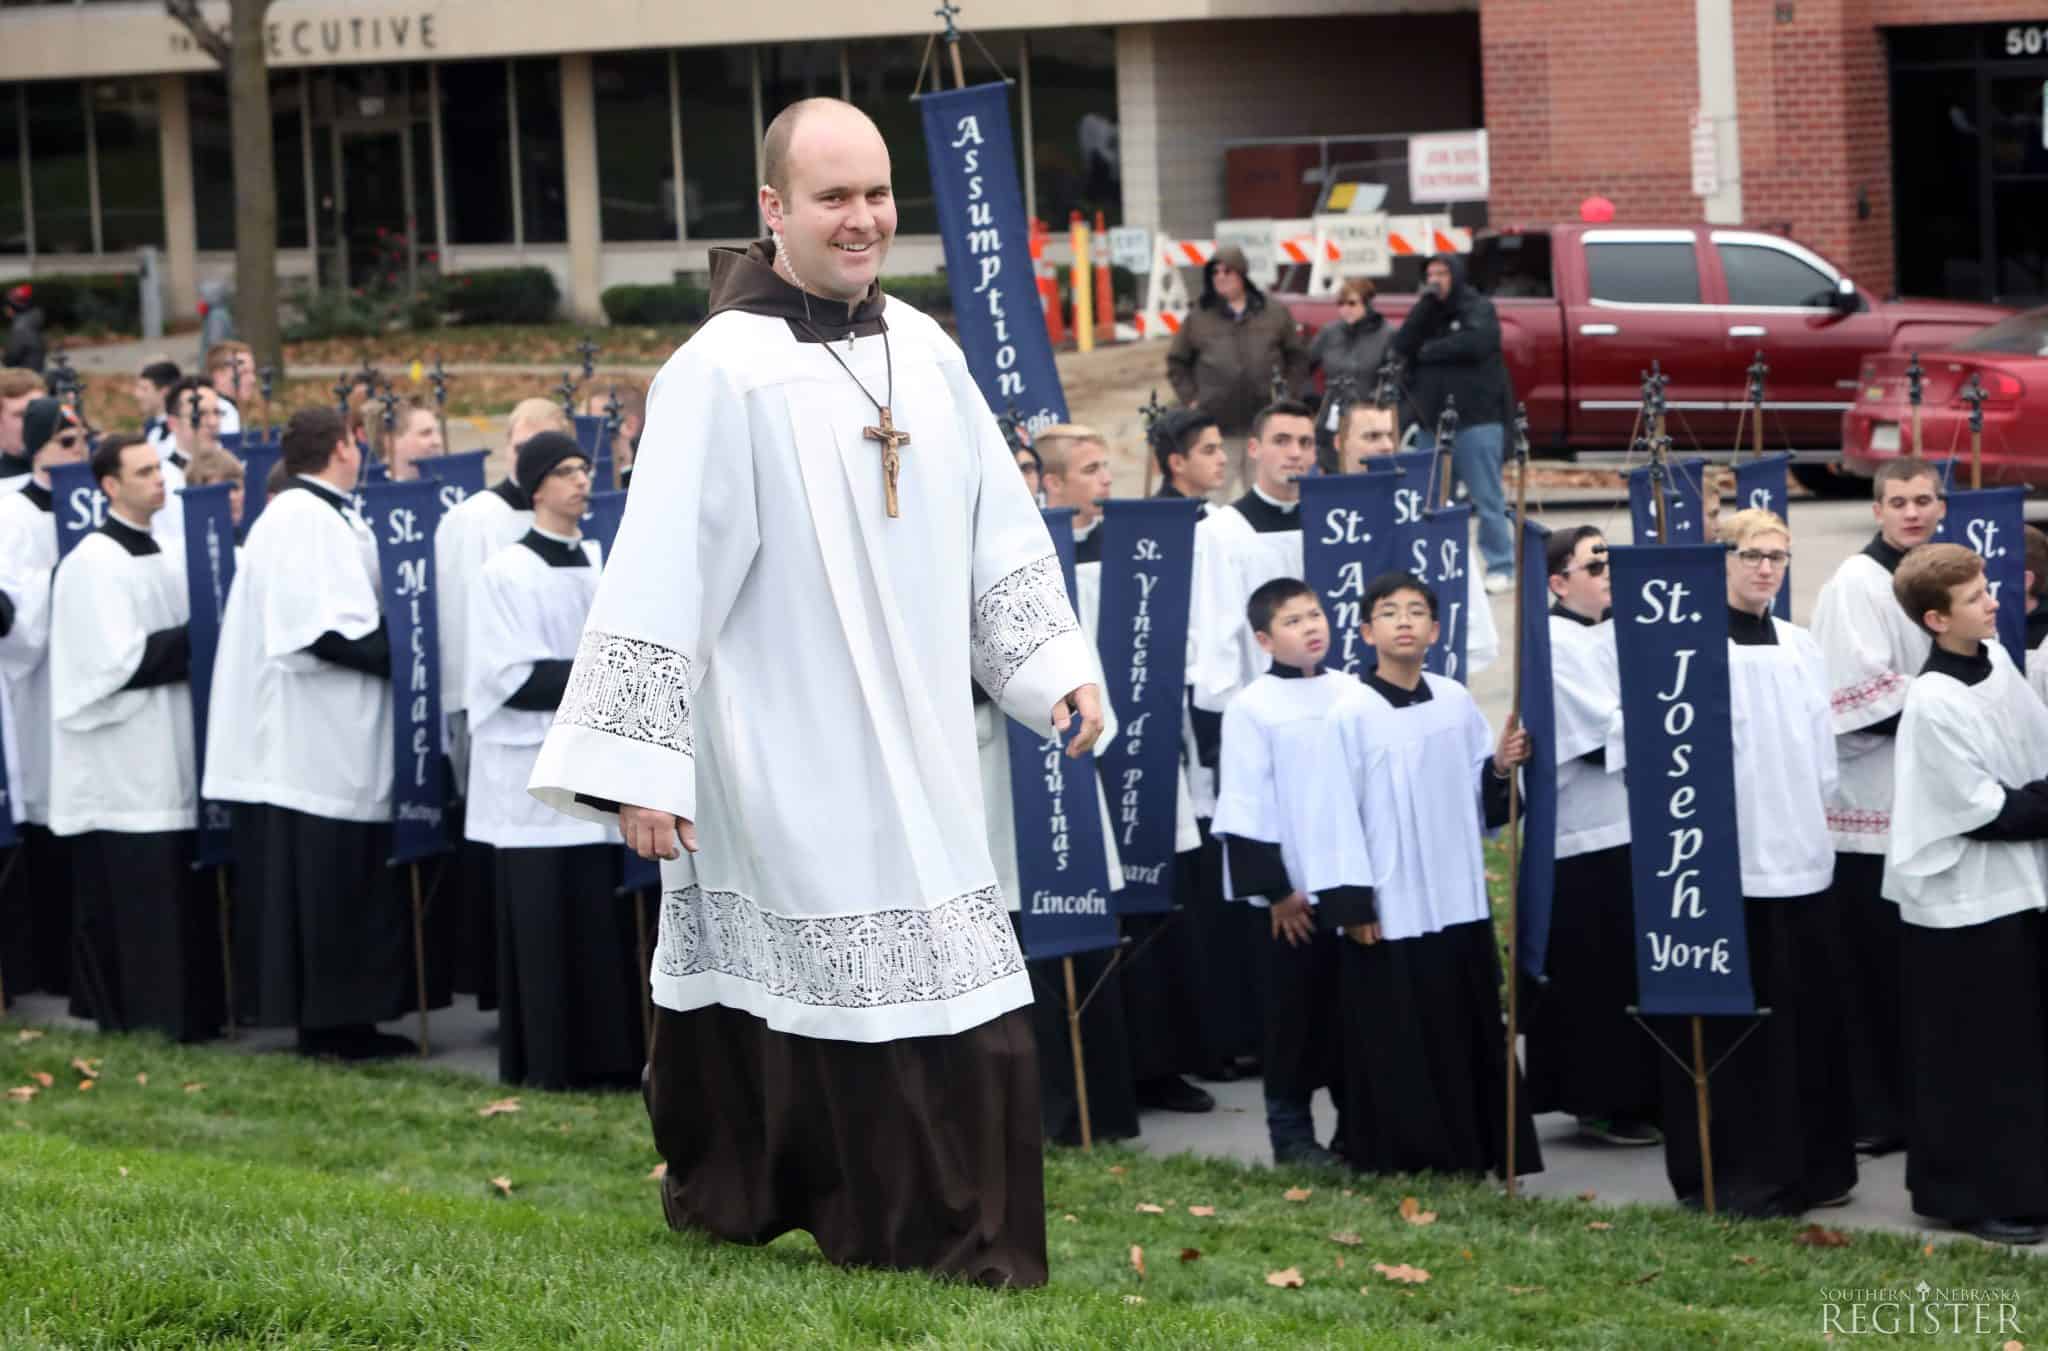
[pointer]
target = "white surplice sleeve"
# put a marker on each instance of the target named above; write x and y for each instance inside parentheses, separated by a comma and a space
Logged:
(505, 643)
(28, 586)
(1482, 635)
(1221, 663)
(2037, 671)
(1946, 787)
(1585, 678)
(1333, 846)
(1823, 720)
(97, 642)
(1247, 799)
(1853, 626)
(324, 589)
(624, 731)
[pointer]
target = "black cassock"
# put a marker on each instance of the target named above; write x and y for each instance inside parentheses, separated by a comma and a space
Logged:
(149, 935)
(570, 979)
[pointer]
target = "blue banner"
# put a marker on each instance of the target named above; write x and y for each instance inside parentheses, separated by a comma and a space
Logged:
(996, 310)
(77, 503)
(402, 517)
(1685, 503)
(1439, 552)
(1992, 521)
(602, 513)
(1536, 881)
(209, 572)
(257, 462)
(460, 476)
(1062, 861)
(1348, 538)
(1421, 482)
(1671, 616)
(1148, 558)
(1764, 483)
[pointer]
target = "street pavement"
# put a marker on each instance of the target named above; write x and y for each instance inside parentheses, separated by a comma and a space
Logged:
(1824, 533)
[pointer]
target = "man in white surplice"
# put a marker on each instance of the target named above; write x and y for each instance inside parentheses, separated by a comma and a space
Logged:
(775, 677)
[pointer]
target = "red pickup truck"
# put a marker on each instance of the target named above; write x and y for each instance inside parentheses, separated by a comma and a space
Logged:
(1585, 309)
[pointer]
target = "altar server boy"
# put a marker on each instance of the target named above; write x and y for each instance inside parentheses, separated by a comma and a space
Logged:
(1264, 802)
(569, 978)
(1408, 779)
(1969, 871)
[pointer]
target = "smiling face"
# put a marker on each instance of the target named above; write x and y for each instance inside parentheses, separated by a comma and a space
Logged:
(1299, 635)
(834, 209)
(1400, 626)
(418, 438)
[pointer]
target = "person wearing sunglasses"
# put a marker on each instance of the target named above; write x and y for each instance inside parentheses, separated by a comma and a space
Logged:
(1352, 348)
(1586, 1056)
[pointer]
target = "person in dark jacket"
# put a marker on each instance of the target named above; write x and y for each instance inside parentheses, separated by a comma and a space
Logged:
(1353, 347)
(26, 347)
(1224, 357)
(1450, 346)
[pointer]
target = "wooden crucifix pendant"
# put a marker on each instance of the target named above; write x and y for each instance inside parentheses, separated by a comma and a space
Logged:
(892, 463)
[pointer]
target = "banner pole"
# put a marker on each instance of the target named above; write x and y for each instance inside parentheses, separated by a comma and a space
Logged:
(1914, 377)
(1080, 1060)
(1701, 1096)
(227, 947)
(1975, 395)
(646, 969)
(1758, 373)
(1515, 795)
(419, 953)
(1446, 435)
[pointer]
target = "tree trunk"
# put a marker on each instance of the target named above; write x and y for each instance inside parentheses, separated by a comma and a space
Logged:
(256, 290)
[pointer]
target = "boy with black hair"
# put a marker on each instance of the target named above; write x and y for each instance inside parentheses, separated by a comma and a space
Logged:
(1968, 870)
(152, 387)
(1264, 803)
(1188, 447)
(1409, 753)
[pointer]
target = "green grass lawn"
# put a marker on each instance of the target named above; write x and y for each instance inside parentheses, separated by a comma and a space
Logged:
(239, 1200)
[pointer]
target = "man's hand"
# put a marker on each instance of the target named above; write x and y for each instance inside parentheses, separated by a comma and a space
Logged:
(1512, 750)
(655, 834)
(1363, 934)
(1084, 702)
(1293, 920)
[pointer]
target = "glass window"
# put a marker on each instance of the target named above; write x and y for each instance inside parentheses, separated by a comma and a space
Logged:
(476, 146)
(1936, 153)
(635, 153)
(124, 123)
(2022, 335)
(1761, 276)
(13, 219)
(716, 90)
(797, 70)
(213, 160)
(884, 73)
(58, 172)
(543, 196)
(1644, 274)
(1074, 139)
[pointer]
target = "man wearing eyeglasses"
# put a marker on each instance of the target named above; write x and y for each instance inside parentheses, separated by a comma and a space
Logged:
(1585, 1055)
(1873, 651)
(37, 912)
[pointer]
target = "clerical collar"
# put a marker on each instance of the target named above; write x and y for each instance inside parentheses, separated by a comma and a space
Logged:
(554, 550)
(14, 466)
(1559, 610)
(176, 458)
(1969, 670)
(1749, 629)
(1286, 672)
(136, 540)
(1088, 542)
(40, 496)
(745, 280)
(506, 491)
(1267, 516)
(1881, 550)
(1397, 696)
(325, 491)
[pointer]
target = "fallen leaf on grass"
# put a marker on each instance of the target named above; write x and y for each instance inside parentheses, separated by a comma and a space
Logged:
(1340, 1262)
(1647, 1277)
(1467, 1252)
(501, 1105)
(1134, 1299)
(1412, 1211)
(1588, 1195)
(1745, 1259)
(1347, 1191)
(1600, 1225)
(22, 1092)
(1147, 1208)
(1525, 1289)
(1927, 1251)
(658, 1172)
(1116, 1170)
(1288, 1279)
(1348, 1239)
(1403, 1273)
(43, 1077)
(195, 1088)
(2014, 1346)
(85, 1085)
(142, 1080)
(1138, 1261)
(1493, 876)
(124, 1172)
(1190, 1254)
(1298, 1193)
(28, 1034)
(503, 1184)
(1815, 1236)
(89, 1068)
(1071, 1219)
(1201, 1212)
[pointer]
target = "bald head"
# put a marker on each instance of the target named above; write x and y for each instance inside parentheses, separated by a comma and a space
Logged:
(835, 116)
(827, 198)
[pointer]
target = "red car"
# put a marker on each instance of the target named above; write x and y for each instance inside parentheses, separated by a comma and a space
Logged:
(2010, 360)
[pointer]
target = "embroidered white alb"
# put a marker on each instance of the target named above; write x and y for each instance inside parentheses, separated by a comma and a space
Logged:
(631, 688)
(1014, 618)
(861, 961)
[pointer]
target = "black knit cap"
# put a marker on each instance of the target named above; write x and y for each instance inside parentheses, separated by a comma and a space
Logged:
(539, 456)
(41, 420)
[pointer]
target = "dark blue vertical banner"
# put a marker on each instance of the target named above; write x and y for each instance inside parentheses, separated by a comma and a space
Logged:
(1685, 503)
(1062, 861)
(402, 516)
(601, 516)
(1671, 621)
(77, 502)
(1148, 558)
(1536, 880)
(1439, 552)
(1421, 482)
(257, 462)
(996, 310)
(1348, 537)
(209, 572)
(590, 435)
(1765, 483)
(1992, 521)
(460, 476)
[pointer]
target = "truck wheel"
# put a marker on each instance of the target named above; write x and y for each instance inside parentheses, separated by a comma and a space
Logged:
(1823, 480)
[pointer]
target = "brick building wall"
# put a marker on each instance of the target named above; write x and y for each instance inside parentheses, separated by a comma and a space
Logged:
(1596, 96)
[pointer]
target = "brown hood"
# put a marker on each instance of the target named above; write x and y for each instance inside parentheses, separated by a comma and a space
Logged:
(745, 279)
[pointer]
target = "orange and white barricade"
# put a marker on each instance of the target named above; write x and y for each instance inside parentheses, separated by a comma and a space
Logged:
(1166, 291)
(1421, 236)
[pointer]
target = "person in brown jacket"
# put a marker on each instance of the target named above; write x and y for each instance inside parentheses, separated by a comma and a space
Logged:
(1224, 357)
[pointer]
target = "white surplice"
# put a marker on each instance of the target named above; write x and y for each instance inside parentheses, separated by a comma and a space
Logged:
(122, 758)
(1785, 765)
(28, 554)
(1961, 747)
(284, 727)
(522, 610)
(773, 657)
(1873, 649)
(1266, 789)
(1585, 680)
(1232, 560)
(168, 525)
(469, 536)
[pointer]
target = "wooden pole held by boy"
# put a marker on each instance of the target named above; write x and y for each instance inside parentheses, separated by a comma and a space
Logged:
(1974, 396)
(1514, 844)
